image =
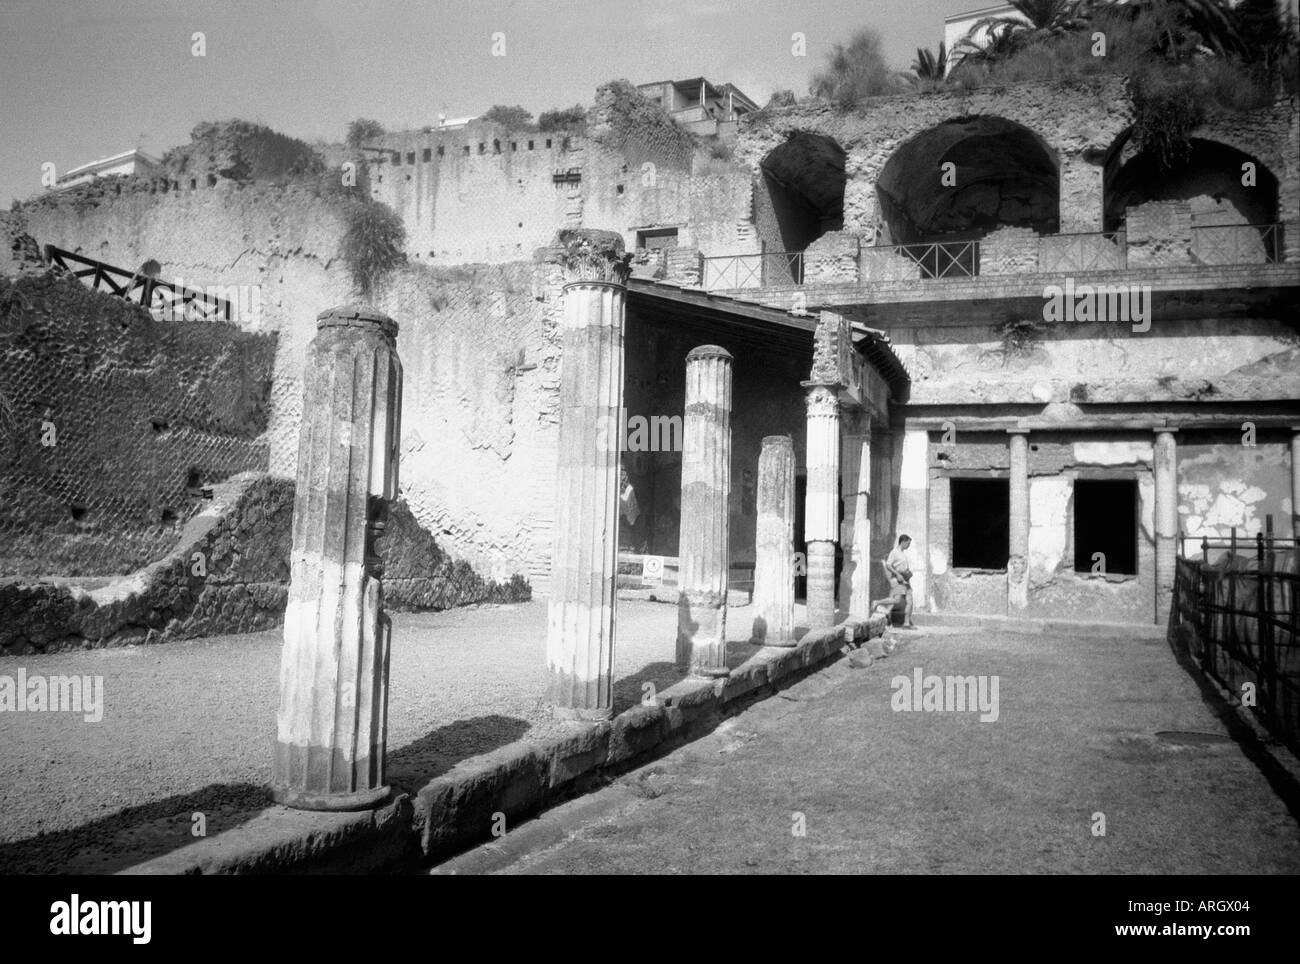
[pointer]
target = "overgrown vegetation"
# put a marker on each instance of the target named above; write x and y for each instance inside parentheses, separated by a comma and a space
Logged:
(362, 130)
(373, 243)
(572, 119)
(856, 71)
(1184, 59)
(640, 128)
(514, 118)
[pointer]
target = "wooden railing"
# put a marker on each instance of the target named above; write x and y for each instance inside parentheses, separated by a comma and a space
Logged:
(163, 299)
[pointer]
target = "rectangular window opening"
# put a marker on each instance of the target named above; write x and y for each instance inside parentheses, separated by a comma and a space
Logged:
(1106, 526)
(981, 523)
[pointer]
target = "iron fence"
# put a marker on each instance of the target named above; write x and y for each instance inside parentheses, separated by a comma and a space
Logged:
(1237, 616)
(1226, 244)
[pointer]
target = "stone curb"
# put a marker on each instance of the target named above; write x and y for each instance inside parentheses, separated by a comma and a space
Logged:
(489, 792)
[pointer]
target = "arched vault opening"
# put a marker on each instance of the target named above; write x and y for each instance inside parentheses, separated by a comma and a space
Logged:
(963, 178)
(801, 195)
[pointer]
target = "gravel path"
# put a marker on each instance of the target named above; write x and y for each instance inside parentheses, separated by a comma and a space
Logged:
(189, 726)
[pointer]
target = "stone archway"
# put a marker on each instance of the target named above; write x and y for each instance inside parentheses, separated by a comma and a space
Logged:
(965, 178)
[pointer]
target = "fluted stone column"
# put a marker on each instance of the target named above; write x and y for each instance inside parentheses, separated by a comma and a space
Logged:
(822, 502)
(703, 550)
(1295, 483)
(1166, 519)
(584, 566)
(333, 718)
(1018, 524)
(855, 531)
(774, 545)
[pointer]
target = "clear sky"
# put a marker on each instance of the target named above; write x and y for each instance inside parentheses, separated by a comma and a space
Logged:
(84, 79)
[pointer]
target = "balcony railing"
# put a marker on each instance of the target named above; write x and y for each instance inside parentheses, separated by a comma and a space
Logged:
(752, 270)
(1056, 254)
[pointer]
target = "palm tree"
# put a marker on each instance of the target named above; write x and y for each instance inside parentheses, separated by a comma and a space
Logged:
(1038, 20)
(929, 67)
(1187, 25)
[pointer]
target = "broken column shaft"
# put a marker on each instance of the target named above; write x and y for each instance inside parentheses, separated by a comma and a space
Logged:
(706, 490)
(822, 503)
(584, 565)
(774, 545)
(333, 716)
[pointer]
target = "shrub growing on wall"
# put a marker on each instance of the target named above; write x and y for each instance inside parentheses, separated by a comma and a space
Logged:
(373, 243)
(512, 118)
(572, 119)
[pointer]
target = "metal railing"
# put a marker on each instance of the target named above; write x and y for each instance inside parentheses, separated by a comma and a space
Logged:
(1220, 244)
(1238, 617)
(163, 299)
(928, 261)
(1098, 251)
(1228, 244)
(752, 270)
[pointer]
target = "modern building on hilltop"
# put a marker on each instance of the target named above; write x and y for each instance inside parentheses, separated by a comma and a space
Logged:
(700, 106)
(128, 162)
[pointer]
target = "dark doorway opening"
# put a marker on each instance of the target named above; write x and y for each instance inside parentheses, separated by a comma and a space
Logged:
(981, 523)
(800, 546)
(1106, 526)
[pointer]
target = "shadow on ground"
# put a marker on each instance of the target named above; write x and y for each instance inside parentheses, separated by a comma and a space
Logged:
(127, 837)
(415, 764)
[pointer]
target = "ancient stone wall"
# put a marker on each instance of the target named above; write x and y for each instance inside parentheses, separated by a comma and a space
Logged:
(226, 572)
(113, 424)
(479, 348)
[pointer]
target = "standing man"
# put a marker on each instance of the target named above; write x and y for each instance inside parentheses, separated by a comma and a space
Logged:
(900, 577)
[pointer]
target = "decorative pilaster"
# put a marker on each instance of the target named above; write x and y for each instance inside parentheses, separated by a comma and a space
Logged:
(584, 563)
(774, 545)
(1166, 519)
(706, 488)
(822, 503)
(331, 728)
(1018, 524)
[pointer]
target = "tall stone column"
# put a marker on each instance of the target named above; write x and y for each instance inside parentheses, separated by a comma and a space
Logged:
(584, 562)
(331, 729)
(774, 545)
(1166, 519)
(822, 502)
(703, 550)
(1295, 482)
(855, 531)
(1018, 524)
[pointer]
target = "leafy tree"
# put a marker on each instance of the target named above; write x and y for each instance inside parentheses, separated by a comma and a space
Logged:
(855, 71)
(362, 130)
(781, 98)
(513, 118)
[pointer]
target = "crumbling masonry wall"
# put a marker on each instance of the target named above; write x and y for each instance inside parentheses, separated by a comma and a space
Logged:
(479, 347)
(113, 424)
